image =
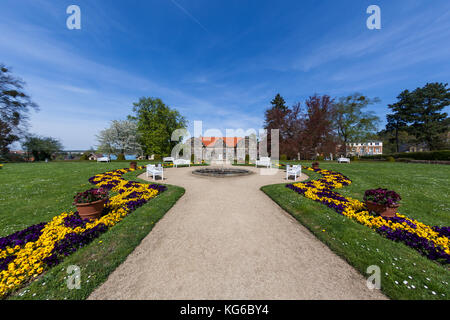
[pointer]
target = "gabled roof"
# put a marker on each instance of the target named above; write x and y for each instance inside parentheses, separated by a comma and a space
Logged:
(229, 141)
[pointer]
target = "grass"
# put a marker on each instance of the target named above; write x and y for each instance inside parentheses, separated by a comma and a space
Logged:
(103, 255)
(31, 193)
(425, 191)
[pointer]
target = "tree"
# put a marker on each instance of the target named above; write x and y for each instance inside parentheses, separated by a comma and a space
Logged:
(14, 107)
(318, 135)
(351, 121)
(398, 120)
(427, 122)
(6, 137)
(287, 121)
(155, 124)
(279, 103)
(120, 138)
(41, 147)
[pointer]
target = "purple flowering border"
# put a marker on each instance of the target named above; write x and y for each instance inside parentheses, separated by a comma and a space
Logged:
(72, 241)
(424, 246)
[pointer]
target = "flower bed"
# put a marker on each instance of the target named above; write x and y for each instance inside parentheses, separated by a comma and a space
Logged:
(432, 242)
(28, 253)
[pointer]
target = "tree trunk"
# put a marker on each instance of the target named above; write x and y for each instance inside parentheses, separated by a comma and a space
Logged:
(396, 140)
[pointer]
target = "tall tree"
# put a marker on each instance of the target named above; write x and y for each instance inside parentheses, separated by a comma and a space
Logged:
(279, 103)
(318, 134)
(41, 147)
(155, 124)
(428, 122)
(287, 121)
(351, 121)
(120, 138)
(398, 120)
(14, 107)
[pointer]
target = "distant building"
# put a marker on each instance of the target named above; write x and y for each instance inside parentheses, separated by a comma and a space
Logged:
(221, 148)
(365, 148)
(95, 156)
(413, 147)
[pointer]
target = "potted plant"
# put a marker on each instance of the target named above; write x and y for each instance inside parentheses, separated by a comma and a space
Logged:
(133, 165)
(90, 203)
(382, 201)
(315, 165)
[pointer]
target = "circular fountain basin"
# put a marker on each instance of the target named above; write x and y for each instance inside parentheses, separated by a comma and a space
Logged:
(221, 172)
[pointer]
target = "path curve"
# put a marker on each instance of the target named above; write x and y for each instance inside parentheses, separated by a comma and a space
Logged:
(225, 239)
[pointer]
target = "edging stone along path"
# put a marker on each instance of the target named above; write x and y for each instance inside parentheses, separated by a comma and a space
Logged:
(225, 239)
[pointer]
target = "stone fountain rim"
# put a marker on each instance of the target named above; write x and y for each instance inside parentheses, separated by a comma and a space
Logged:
(238, 172)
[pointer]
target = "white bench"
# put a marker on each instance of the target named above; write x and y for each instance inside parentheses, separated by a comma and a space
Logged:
(341, 160)
(295, 171)
(104, 159)
(168, 159)
(181, 162)
(155, 171)
(263, 161)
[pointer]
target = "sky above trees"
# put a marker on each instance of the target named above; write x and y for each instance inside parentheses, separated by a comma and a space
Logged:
(217, 61)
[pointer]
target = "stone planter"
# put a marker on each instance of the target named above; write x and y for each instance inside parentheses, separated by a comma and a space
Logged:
(382, 210)
(92, 210)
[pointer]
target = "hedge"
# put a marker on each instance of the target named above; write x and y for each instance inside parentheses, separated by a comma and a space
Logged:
(442, 155)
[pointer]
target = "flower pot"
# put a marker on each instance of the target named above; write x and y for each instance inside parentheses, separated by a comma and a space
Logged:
(381, 209)
(133, 165)
(92, 210)
(315, 165)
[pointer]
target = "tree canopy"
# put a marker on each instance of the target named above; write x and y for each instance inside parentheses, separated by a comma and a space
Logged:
(351, 122)
(120, 138)
(419, 113)
(14, 107)
(155, 124)
(41, 147)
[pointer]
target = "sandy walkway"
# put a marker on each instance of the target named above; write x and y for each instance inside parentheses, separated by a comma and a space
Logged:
(225, 239)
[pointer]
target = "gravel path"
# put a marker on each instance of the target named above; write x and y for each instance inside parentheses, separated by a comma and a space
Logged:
(225, 239)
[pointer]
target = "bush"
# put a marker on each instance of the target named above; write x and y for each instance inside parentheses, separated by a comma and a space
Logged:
(354, 159)
(390, 159)
(320, 158)
(121, 157)
(157, 157)
(85, 156)
(283, 157)
(247, 159)
(192, 158)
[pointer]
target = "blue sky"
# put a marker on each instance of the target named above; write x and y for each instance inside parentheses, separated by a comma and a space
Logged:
(216, 61)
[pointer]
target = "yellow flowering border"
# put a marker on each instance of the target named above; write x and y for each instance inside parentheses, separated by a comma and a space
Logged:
(28, 262)
(425, 239)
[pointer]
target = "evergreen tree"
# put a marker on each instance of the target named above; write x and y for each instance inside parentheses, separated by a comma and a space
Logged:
(398, 120)
(420, 114)
(427, 121)
(279, 103)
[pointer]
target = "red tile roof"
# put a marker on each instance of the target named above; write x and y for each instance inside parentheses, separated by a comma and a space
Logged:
(229, 141)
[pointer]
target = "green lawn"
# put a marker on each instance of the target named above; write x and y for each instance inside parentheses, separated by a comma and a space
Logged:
(33, 193)
(425, 191)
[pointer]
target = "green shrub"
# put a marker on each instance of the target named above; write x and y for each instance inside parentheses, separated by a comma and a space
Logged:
(192, 158)
(157, 157)
(121, 157)
(320, 158)
(354, 159)
(390, 159)
(247, 159)
(283, 157)
(85, 156)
